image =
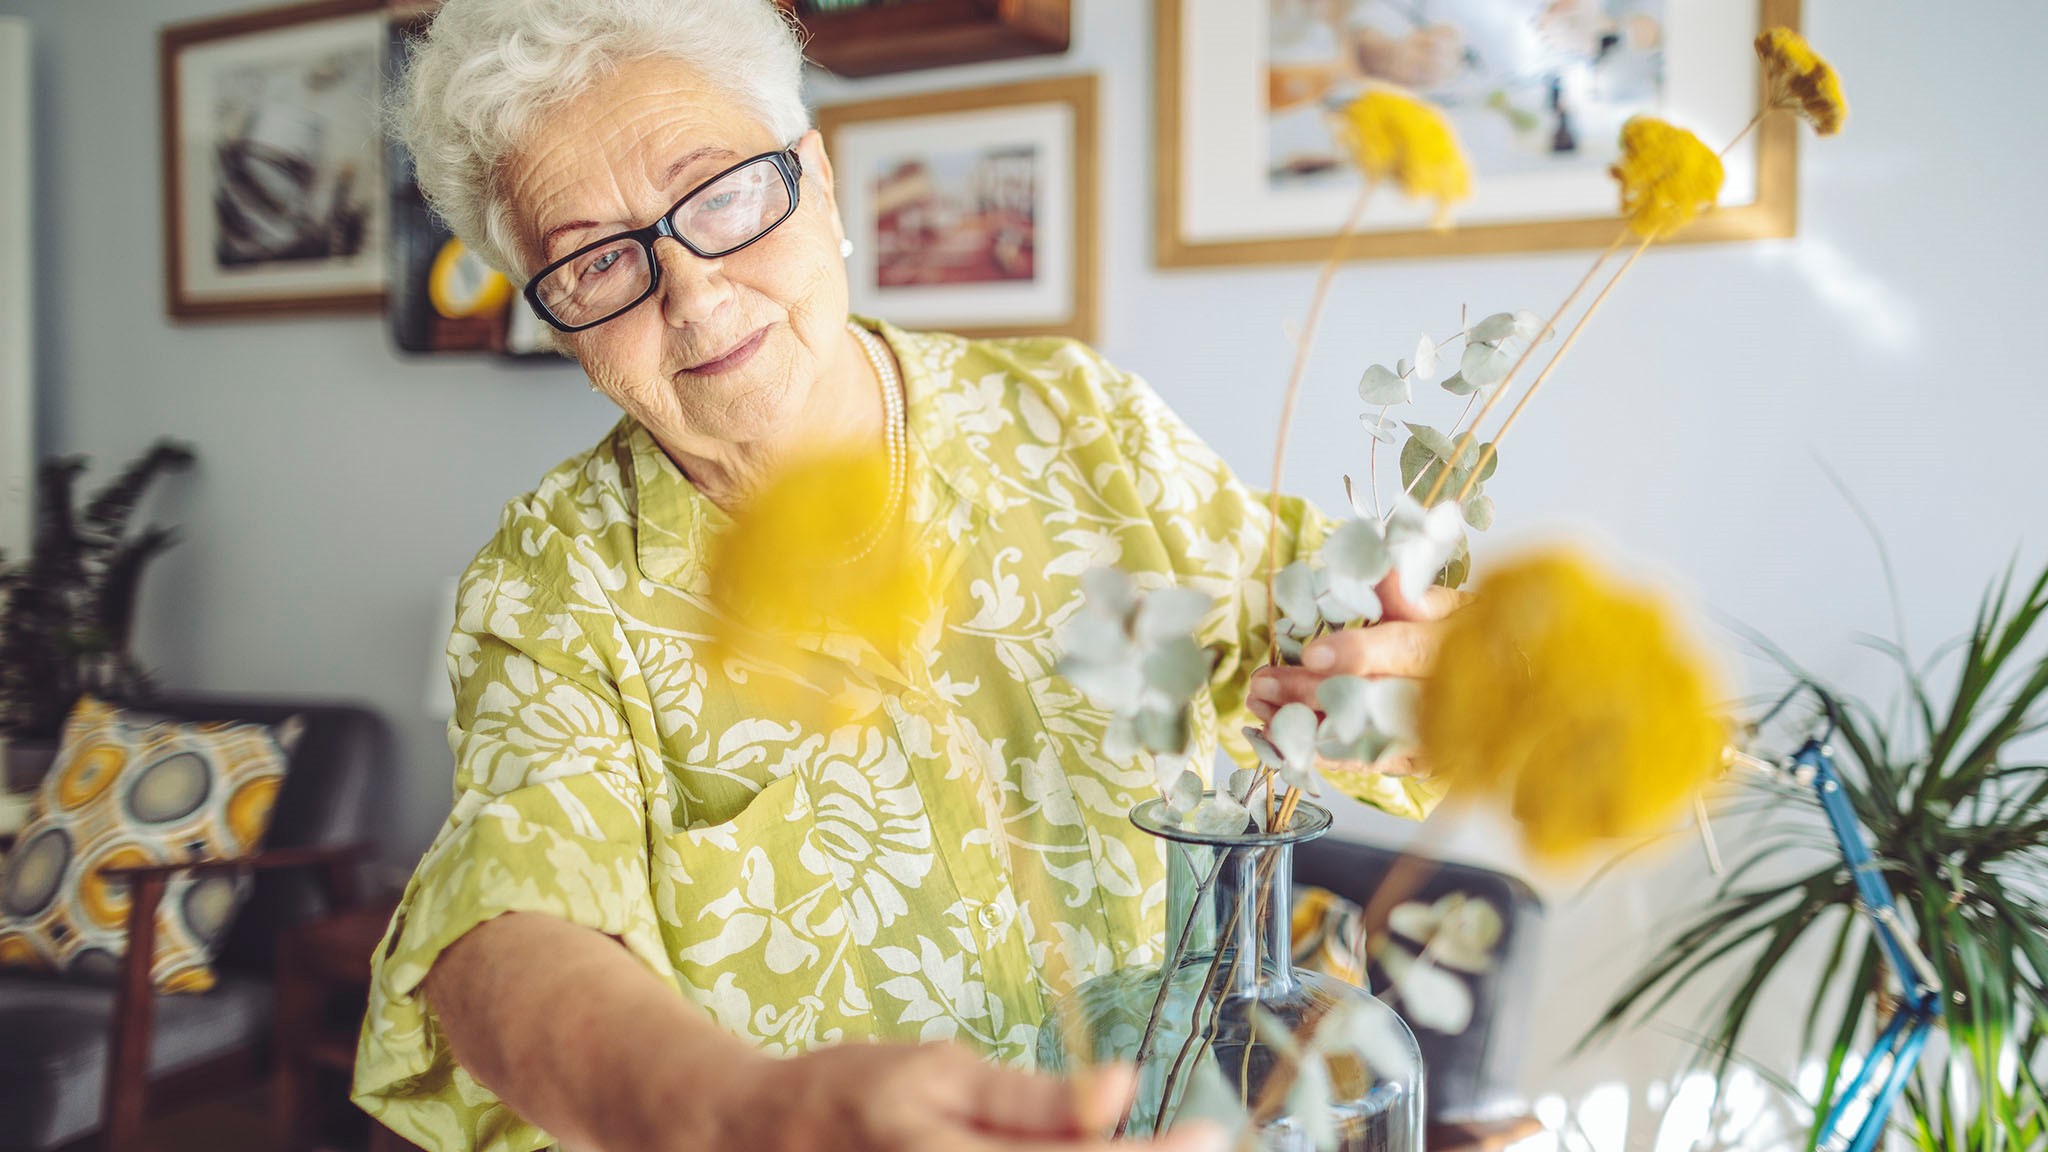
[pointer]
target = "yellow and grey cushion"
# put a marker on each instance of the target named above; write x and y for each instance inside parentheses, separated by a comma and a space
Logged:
(126, 792)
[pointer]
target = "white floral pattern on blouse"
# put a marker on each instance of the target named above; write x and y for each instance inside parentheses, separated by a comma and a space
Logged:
(938, 868)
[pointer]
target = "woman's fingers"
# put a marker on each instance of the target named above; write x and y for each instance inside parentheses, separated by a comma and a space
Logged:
(1399, 648)
(1019, 1103)
(1437, 601)
(1199, 1136)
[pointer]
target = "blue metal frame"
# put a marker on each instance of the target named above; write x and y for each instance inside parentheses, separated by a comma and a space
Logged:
(1898, 1047)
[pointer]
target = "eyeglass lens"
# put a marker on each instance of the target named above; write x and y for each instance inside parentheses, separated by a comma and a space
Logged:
(721, 216)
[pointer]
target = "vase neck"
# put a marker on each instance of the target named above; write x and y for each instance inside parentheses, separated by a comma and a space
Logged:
(1236, 902)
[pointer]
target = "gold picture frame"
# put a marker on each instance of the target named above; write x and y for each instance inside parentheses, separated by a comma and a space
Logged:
(1772, 214)
(1044, 131)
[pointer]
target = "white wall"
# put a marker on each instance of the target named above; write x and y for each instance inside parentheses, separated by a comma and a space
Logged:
(1895, 340)
(16, 390)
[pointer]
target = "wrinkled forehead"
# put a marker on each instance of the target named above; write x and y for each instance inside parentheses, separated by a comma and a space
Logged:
(623, 149)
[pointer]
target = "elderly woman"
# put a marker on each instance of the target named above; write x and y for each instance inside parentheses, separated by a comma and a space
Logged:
(663, 914)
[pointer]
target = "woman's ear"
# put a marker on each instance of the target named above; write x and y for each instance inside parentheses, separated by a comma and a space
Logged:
(810, 148)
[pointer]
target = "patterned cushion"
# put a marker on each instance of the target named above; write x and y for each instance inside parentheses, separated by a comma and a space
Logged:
(122, 792)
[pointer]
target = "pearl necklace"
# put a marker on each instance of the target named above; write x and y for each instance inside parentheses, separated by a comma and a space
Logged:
(895, 434)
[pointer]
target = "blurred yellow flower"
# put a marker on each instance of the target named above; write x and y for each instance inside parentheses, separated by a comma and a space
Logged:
(806, 556)
(1667, 176)
(1408, 141)
(1575, 701)
(1799, 81)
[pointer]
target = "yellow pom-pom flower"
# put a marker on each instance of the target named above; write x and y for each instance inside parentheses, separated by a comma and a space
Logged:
(1398, 138)
(1667, 176)
(1797, 80)
(1575, 701)
(805, 557)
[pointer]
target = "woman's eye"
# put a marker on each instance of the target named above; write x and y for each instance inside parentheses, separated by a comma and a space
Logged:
(719, 203)
(603, 262)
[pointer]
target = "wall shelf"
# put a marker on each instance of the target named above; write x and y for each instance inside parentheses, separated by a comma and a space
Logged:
(915, 34)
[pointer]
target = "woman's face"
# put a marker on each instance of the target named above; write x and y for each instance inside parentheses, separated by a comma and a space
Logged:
(728, 352)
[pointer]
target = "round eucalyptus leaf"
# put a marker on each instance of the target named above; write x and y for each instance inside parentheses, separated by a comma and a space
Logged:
(1381, 386)
(1109, 591)
(1357, 550)
(1457, 385)
(1268, 755)
(1177, 669)
(1488, 461)
(1434, 442)
(1369, 1031)
(1183, 796)
(1289, 647)
(1112, 685)
(1528, 325)
(1293, 732)
(1346, 705)
(1210, 1098)
(1493, 329)
(1486, 365)
(1171, 613)
(1425, 357)
(1217, 815)
(1379, 427)
(1432, 998)
(1163, 729)
(1294, 591)
(1239, 784)
(1346, 602)
(1422, 543)
(1478, 511)
(1390, 705)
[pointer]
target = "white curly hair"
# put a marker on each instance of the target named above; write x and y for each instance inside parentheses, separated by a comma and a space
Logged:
(487, 70)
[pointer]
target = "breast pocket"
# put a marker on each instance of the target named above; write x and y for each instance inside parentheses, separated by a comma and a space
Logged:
(757, 927)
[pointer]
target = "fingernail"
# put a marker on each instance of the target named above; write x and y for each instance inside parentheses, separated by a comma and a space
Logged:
(1265, 690)
(1318, 658)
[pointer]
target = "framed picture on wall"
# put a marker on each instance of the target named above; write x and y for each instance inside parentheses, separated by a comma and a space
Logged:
(1250, 172)
(273, 161)
(971, 211)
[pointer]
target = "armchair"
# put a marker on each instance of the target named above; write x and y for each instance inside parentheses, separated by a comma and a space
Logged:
(87, 1061)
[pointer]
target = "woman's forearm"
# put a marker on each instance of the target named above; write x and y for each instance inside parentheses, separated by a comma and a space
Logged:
(575, 1035)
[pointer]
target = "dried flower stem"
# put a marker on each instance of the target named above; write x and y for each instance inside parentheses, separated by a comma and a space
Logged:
(1307, 341)
(1550, 325)
(1578, 328)
(1746, 130)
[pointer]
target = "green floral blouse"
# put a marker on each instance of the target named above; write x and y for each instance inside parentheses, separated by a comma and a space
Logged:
(941, 867)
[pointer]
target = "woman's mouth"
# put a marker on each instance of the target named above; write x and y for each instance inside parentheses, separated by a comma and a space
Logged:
(732, 357)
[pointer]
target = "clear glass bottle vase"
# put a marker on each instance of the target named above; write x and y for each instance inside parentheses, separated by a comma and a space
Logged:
(1233, 1037)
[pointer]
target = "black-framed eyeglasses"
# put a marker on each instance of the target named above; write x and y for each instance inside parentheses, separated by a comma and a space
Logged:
(610, 277)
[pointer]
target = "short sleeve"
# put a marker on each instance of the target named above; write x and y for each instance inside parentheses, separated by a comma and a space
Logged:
(549, 817)
(1216, 533)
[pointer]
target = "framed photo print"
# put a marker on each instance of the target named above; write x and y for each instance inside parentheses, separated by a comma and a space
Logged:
(1250, 170)
(971, 211)
(273, 161)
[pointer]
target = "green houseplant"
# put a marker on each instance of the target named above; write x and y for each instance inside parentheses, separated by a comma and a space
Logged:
(67, 611)
(1957, 818)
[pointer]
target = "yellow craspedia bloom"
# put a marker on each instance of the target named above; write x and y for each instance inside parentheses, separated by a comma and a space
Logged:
(1667, 176)
(1797, 80)
(1575, 701)
(803, 557)
(1398, 138)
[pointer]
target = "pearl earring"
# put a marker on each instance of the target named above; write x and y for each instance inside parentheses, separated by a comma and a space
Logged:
(845, 248)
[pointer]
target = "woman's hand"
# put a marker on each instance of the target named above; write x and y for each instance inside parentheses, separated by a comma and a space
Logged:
(1403, 644)
(863, 1097)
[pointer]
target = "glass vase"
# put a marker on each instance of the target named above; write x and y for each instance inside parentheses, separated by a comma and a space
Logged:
(1236, 1034)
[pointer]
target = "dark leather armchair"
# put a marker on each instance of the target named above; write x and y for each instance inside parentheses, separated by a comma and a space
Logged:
(1470, 1077)
(82, 1057)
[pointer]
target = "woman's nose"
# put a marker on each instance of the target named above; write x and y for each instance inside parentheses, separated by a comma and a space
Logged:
(692, 288)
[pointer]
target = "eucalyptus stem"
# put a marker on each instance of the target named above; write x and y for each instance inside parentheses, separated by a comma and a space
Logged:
(1166, 970)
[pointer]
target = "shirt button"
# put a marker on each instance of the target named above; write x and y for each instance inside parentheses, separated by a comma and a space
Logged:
(993, 917)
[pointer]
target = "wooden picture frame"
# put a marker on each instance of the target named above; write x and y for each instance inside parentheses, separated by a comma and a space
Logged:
(909, 265)
(1767, 164)
(273, 161)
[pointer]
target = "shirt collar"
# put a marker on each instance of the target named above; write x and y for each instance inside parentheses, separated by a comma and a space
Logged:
(675, 524)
